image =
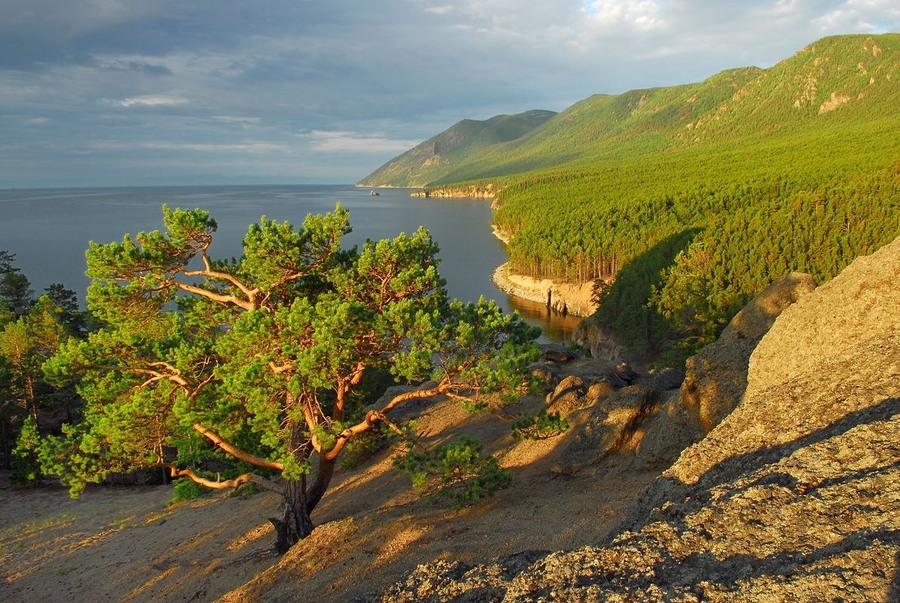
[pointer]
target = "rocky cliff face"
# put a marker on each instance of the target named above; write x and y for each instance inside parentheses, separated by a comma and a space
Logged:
(563, 298)
(472, 191)
(794, 496)
(716, 377)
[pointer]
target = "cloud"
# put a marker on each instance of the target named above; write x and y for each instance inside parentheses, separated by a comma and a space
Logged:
(355, 142)
(857, 15)
(639, 14)
(237, 120)
(151, 100)
(361, 81)
(254, 147)
(443, 9)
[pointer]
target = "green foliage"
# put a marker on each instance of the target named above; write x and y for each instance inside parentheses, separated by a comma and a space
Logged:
(599, 291)
(187, 489)
(438, 156)
(76, 322)
(27, 339)
(264, 362)
(539, 426)
(362, 448)
(16, 295)
(26, 461)
(456, 472)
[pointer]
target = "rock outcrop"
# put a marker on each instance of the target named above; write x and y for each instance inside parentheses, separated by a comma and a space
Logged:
(613, 424)
(614, 410)
(716, 377)
(601, 343)
(794, 496)
(564, 298)
(474, 191)
(654, 426)
(861, 303)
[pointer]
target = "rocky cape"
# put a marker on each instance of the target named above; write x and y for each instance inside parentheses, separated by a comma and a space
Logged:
(564, 298)
(790, 489)
(472, 191)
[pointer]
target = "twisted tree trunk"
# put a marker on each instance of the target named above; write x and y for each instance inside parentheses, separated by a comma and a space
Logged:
(295, 524)
(315, 492)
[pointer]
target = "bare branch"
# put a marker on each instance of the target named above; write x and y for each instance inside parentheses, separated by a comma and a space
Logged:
(282, 368)
(373, 416)
(251, 293)
(418, 394)
(249, 304)
(246, 478)
(235, 451)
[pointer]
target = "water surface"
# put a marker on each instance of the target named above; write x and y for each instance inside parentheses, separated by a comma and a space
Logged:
(49, 229)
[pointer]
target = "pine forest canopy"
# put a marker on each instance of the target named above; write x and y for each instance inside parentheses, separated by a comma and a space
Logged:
(695, 197)
(264, 360)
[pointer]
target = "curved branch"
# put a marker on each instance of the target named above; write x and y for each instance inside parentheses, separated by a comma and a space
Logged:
(249, 304)
(311, 417)
(282, 368)
(153, 375)
(208, 272)
(418, 394)
(373, 416)
(246, 478)
(234, 451)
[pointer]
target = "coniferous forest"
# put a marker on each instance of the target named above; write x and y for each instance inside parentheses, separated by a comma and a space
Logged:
(684, 202)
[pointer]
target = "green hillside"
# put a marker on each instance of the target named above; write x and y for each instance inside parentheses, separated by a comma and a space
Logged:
(437, 156)
(694, 197)
(604, 127)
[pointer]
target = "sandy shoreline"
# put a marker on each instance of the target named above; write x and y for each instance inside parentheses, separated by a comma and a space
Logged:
(125, 544)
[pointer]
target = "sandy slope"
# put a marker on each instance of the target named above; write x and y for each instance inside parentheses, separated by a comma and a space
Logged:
(125, 544)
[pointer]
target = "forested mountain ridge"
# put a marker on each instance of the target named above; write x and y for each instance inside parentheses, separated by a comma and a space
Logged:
(854, 73)
(694, 197)
(438, 155)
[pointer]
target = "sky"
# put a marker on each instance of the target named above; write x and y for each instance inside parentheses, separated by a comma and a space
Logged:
(165, 92)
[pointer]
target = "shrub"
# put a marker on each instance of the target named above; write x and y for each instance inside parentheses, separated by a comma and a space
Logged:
(186, 489)
(539, 426)
(456, 472)
(27, 466)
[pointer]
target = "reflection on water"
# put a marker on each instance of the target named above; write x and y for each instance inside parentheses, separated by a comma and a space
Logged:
(556, 327)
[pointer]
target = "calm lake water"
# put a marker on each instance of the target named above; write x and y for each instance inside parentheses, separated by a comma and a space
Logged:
(49, 229)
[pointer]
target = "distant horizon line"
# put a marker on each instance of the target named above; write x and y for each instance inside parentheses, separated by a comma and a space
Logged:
(8, 189)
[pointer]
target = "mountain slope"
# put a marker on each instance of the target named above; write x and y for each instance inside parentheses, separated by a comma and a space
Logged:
(436, 157)
(693, 198)
(843, 80)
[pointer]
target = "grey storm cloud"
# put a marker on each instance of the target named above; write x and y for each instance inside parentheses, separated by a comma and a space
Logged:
(100, 92)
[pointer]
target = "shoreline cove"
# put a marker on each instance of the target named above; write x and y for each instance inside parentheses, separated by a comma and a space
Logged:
(565, 298)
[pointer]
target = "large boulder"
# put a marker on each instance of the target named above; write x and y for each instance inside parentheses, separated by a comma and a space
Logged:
(716, 377)
(861, 303)
(602, 344)
(569, 395)
(614, 424)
